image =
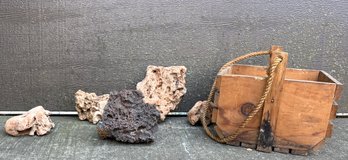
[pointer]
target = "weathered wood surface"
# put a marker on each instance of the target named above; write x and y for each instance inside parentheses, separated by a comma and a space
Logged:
(291, 73)
(175, 139)
(296, 115)
(50, 49)
(271, 105)
(304, 114)
(235, 91)
(325, 77)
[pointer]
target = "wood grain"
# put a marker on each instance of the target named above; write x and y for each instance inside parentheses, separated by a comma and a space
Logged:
(271, 105)
(304, 114)
(299, 108)
(236, 90)
(291, 73)
(325, 77)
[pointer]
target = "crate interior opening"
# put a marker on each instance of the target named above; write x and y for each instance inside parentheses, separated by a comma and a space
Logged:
(261, 71)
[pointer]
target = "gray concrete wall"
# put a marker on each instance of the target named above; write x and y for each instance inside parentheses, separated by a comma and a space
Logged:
(50, 49)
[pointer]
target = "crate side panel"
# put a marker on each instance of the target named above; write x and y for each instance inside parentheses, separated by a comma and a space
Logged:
(234, 92)
(304, 114)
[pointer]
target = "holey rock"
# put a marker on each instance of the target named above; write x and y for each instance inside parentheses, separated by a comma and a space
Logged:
(128, 119)
(90, 106)
(35, 121)
(163, 87)
(195, 112)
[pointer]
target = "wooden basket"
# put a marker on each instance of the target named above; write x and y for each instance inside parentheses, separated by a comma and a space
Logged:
(296, 114)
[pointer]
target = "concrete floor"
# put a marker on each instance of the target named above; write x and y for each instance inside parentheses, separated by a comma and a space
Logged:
(175, 139)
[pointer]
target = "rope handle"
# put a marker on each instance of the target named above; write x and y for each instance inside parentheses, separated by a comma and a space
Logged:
(271, 74)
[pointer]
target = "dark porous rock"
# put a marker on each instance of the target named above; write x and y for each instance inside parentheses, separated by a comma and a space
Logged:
(128, 119)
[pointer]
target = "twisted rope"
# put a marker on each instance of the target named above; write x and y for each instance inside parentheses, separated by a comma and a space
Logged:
(271, 72)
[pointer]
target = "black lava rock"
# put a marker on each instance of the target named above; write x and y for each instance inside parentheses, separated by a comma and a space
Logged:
(128, 119)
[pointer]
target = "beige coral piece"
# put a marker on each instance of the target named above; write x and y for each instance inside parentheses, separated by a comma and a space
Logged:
(163, 87)
(35, 121)
(90, 106)
(194, 114)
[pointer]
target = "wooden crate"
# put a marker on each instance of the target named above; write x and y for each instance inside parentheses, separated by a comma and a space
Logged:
(296, 117)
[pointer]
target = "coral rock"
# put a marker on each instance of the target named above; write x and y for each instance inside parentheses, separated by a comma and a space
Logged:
(194, 114)
(35, 121)
(163, 87)
(90, 106)
(128, 119)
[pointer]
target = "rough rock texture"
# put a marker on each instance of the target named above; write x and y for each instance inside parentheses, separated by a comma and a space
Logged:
(163, 87)
(194, 114)
(128, 119)
(35, 121)
(90, 106)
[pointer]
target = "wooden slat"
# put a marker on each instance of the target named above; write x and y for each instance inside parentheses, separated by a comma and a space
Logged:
(325, 77)
(271, 106)
(299, 152)
(333, 110)
(216, 98)
(234, 143)
(291, 73)
(247, 145)
(214, 115)
(251, 70)
(281, 150)
(332, 116)
(236, 90)
(218, 82)
(304, 113)
(329, 130)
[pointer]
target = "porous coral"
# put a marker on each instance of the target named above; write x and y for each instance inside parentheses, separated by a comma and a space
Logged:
(90, 106)
(163, 87)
